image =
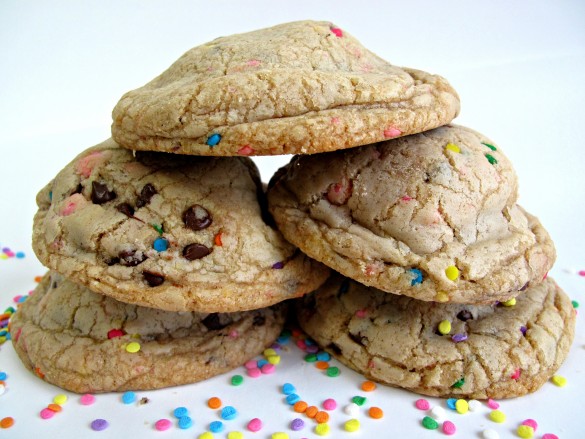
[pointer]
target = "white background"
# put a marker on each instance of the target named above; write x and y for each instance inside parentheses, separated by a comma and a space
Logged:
(518, 67)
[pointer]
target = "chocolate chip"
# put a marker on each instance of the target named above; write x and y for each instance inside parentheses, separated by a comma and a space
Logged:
(343, 288)
(197, 217)
(100, 193)
(153, 279)
(129, 258)
(126, 209)
(213, 323)
(195, 251)
(78, 189)
(147, 192)
(465, 315)
(359, 339)
(259, 320)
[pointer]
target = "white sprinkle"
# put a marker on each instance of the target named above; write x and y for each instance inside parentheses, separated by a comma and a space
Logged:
(2, 389)
(352, 409)
(474, 405)
(438, 412)
(490, 434)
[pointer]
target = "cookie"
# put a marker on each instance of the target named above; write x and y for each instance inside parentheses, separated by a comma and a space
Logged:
(82, 341)
(432, 216)
(167, 231)
(301, 87)
(486, 351)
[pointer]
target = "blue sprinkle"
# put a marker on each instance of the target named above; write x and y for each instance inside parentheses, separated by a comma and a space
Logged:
(128, 397)
(228, 413)
(8, 336)
(50, 195)
(185, 422)
(451, 403)
(3, 376)
(323, 356)
(278, 265)
(22, 299)
(293, 398)
(216, 427)
(160, 244)
(213, 139)
(288, 388)
(309, 342)
(418, 277)
(20, 255)
(179, 412)
(261, 363)
(3, 333)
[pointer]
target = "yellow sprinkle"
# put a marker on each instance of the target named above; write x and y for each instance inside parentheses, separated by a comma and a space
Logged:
(2, 339)
(206, 435)
(352, 425)
(3, 256)
(322, 429)
(60, 399)
(525, 431)
(235, 435)
(461, 406)
(273, 359)
(497, 416)
(452, 147)
(559, 380)
(132, 347)
(510, 302)
(279, 435)
(135, 336)
(269, 352)
(442, 296)
(452, 272)
(445, 327)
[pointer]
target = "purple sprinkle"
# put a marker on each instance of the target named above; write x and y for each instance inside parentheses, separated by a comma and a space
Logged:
(276, 346)
(523, 330)
(278, 265)
(312, 349)
(99, 424)
(6, 250)
(297, 424)
(459, 337)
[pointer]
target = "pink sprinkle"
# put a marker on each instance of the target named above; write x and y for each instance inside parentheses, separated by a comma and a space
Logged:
(254, 373)
(581, 273)
(17, 335)
(516, 374)
(16, 299)
(47, 413)
(406, 198)
(251, 364)
(301, 344)
(392, 132)
(338, 32)
(163, 424)
(361, 313)
(268, 368)
(86, 164)
(245, 150)
(10, 254)
(329, 404)
(493, 404)
(422, 404)
(371, 364)
(531, 423)
(72, 204)
(335, 120)
(255, 425)
(234, 334)
(549, 436)
(113, 333)
(449, 428)
(253, 63)
(87, 399)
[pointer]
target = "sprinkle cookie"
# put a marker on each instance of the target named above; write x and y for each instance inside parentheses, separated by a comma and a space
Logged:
(170, 232)
(301, 87)
(490, 351)
(80, 340)
(432, 216)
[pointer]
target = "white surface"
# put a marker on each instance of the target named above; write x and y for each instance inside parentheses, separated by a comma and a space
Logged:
(518, 67)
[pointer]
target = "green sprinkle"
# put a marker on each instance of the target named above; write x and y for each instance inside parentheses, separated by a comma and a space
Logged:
(458, 384)
(158, 228)
(492, 147)
(429, 423)
(575, 303)
(311, 358)
(491, 159)
(333, 371)
(237, 380)
(359, 400)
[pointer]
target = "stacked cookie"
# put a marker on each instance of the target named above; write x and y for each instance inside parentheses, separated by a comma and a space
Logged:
(168, 268)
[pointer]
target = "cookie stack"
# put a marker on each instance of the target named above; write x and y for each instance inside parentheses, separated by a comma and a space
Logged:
(168, 267)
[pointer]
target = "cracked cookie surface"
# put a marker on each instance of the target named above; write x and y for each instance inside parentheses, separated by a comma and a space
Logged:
(502, 352)
(301, 87)
(432, 216)
(76, 339)
(170, 232)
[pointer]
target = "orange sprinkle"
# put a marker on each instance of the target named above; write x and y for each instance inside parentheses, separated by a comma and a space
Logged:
(311, 411)
(297, 333)
(217, 240)
(322, 365)
(40, 374)
(376, 413)
(54, 408)
(38, 278)
(7, 422)
(300, 406)
(322, 417)
(214, 403)
(368, 386)
(5, 316)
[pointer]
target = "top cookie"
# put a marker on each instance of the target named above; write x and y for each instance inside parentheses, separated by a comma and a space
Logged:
(166, 231)
(432, 216)
(301, 87)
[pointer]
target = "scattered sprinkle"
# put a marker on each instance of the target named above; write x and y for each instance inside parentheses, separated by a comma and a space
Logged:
(491, 159)
(352, 425)
(359, 400)
(474, 405)
(235, 435)
(525, 431)
(368, 386)
(531, 423)
(216, 427)
(559, 380)
(206, 435)
(321, 417)
(297, 424)
(549, 436)
(329, 404)
(213, 140)
(254, 425)
(60, 399)
(229, 413)
(422, 404)
(128, 397)
(491, 434)
(279, 435)
(333, 371)
(311, 411)
(452, 272)
(214, 402)
(575, 304)
(288, 388)
(179, 412)
(451, 403)
(461, 406)
(429, 423)
(162, 424)
(300, 407)
(7, 422)
(322, 429)
(185, 422)
(99, 424)
(132, 347)
(376, 412)
(293, 398)
(493, 404)
(497, 416)
(352, 409)
(438, 412)
(47, 413)
(492, 147)
(449, 428)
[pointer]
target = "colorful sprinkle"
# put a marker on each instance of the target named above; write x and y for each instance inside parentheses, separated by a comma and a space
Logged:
(162, 424)
(445, 327)
(300, 407)
(442, 296)
(213, 140)
(531, 423)
(429, 423)
(254, 425)
(55, 407)
(459, 337)
(493, 404)
(47, 413)
(7, 422)
(418, 277)
(422, 404)
(549, 436)
(60, 399)
(185, 422)
(278, 265)
(333, 371)
(352, 409)
(525, 431)
(214, 402)
(449, 428)
(338, 32)
(321, 417)
(368, 386)
(322, 429)
(235, 435)
(461, 406)
(297, 424)
(559, 380)
(452, 272)
(490, 434)
(491, 159)
(376, 413)
(323, 356)
(279, 435)
(99, 424)
(216, 427)
(292, 398)
(160, 244)
(268, 369)
(451, 403)
(237, 380)
(459, 383)
(128, 397)
(474, 405)
(246, 150)
(492, 147)
(179, 412)
(132, 347)
(452, 147)
(359, 400)
(288, 388)
(575, 304)
(497, 416)
(352, 425)
(510, 302)
(392, 132)
(312, 411)
(206, 435)
(438, 412)
(113, 333)
(329, 404)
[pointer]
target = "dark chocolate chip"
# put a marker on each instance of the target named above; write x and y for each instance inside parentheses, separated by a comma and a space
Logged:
(259, 320)
(126, 209)
(197, 217)
(195, 251)
(465, 315)
(78, 189)
(153, 279)
(213, 323)
(359, 339)
(129, 258)
(100, 193)
(147, 192)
